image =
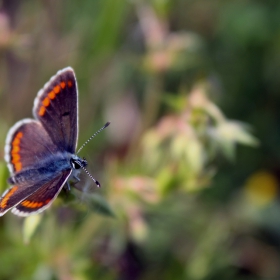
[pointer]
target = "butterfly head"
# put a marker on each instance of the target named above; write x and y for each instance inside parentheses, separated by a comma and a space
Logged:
(77, 162)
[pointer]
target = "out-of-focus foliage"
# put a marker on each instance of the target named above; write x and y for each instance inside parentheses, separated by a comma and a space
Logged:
(190, 163)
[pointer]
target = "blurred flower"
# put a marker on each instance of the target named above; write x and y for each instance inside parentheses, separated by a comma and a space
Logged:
(5, 32)
(125, 115)
(167, 50)
(137, 224)
(12, 39)
(261, 188)
(142, 188)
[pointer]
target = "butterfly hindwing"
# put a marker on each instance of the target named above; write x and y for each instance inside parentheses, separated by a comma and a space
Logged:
(56, 107)
(43, 197)
(13, 196)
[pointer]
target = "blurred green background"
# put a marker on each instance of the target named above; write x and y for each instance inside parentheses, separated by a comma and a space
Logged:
(190, 163)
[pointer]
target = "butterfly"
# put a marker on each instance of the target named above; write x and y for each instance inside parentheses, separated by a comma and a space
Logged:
(40, 152)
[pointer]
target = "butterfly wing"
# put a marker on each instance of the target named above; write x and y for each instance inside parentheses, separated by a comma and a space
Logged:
(43, 197)
(56, 107)
(32, 198)
(27, 146)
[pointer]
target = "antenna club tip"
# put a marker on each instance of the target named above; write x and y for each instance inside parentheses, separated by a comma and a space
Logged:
(97, 184)
(107, 124)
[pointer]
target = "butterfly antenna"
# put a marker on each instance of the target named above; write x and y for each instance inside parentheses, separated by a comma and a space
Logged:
(95, 181)
(106, 124)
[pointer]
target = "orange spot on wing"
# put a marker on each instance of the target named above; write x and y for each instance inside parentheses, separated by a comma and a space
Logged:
(56, 89)
(18, 166)
(31, 204)
(46, 102)
(42, 111)
(24, 203)
(16, 141)
(6, 198)
(16, 158)
(69, 83)
(39, 204)
(15, 149)
(63, 85)
(51, 95)
(19, 135)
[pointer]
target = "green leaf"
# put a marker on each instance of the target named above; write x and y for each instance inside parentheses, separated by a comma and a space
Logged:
(30, 225)
(177, 103)
(98, 204)
(3, 176)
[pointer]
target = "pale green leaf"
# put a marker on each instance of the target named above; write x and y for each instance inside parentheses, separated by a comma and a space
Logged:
(194, 155)
(30, 225)
(235, 132)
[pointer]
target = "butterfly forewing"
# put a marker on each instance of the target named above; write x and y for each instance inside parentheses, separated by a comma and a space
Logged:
(56, 107)
(27, 145)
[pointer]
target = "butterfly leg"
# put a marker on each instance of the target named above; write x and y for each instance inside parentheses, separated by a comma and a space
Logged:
(66, 187)
(77, 180)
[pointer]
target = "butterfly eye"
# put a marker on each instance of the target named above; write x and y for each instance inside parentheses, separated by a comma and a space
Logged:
(77, 163)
